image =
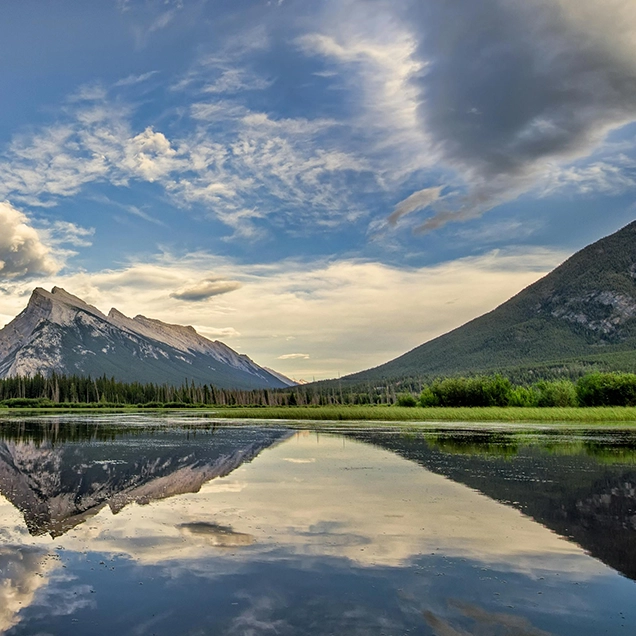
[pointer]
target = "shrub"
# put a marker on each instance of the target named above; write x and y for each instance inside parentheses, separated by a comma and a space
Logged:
(406, 399)
(428, 398)
(477, 391)
(557, 393)
(607, 389)
(27, 403)
(522, 396)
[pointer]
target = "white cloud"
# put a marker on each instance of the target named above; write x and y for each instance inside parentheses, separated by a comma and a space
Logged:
(257, 167)
(66, 233)
(131, 80)
(374, 50)
(294, 356)
(611, 175)
(22, 252)
(236, 80)
(89, 93)
(150, 155)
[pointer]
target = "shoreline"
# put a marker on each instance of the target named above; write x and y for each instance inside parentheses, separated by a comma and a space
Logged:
(379, 414)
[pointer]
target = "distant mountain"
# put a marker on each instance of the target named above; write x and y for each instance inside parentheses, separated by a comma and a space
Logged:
(583, 312)
(283, 378)
(60, 332)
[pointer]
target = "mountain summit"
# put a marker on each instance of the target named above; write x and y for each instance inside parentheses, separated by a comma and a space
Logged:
(60, 332)
(583, 312)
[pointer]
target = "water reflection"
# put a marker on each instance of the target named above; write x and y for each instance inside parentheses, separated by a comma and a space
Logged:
(255, 530)
(57, 481)
(581, 485)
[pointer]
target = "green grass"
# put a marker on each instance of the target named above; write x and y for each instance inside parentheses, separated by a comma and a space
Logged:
(599, 415)
(464, 414)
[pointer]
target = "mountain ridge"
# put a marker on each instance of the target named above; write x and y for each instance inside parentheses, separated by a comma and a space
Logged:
(584, 311)
(60, 332)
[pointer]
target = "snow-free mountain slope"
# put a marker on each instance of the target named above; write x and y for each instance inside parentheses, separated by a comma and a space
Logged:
(583, 312)
(60, 332)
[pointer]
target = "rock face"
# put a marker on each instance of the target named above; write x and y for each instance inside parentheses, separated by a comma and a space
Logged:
(583, 312)
(60, 332)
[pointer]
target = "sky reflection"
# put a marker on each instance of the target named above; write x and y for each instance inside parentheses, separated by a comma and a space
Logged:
(316, 534)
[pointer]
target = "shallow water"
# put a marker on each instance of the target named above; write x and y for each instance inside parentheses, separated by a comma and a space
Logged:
(144, 525)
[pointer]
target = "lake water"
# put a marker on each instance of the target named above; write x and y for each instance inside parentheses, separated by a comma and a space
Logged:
(177, 525)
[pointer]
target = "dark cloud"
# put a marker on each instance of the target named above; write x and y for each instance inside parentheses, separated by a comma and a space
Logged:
(206, 289)
(509, 86)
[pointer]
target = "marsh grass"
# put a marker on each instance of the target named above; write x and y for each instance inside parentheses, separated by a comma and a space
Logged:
(436, 414)
(582, 415)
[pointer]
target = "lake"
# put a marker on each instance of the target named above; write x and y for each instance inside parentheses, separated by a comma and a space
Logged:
(140, 524)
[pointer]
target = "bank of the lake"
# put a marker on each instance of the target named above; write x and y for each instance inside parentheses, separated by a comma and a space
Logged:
(604, 415)
(440, 414)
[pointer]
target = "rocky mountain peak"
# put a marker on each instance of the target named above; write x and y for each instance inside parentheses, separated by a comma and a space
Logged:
(58, 296)
(116, 314)
(60, 332)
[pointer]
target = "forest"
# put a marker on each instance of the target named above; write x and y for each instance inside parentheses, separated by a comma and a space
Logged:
(591, 390)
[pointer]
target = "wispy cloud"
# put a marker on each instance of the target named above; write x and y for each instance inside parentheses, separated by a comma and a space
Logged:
(67, 233)
(256, 167)
(131, 80)
(417, 201)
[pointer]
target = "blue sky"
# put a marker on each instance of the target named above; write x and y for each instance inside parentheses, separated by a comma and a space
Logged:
(322, 185)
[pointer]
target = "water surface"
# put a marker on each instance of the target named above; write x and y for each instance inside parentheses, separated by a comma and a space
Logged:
(144, 525)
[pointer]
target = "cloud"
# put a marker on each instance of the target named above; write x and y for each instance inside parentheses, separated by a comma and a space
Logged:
(88, 93)
(294, 356)
(508, 88)
(131, 80)
(239, 165)
(611, 175)
(25, 571)
(417, 201)
(150, 155)
(207, 289)
(67, 233)
(235, 80)
(22, 251)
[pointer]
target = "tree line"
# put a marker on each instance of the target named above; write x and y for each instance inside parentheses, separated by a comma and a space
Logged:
(594, 389)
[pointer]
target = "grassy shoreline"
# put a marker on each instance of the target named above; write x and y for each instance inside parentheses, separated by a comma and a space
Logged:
(601, 415)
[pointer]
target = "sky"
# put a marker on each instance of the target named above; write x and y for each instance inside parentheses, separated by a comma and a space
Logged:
(321, 185)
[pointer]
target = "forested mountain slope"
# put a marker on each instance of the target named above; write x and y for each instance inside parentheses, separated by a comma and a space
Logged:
(582, 312)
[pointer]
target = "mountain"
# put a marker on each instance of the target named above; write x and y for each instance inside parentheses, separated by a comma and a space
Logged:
(582, 313)
(60, 332)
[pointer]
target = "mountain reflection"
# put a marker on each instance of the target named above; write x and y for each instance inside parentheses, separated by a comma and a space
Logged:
(584, 489)
(60, 476)
(321, 534)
